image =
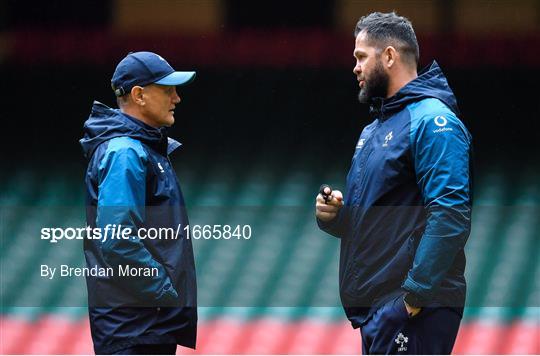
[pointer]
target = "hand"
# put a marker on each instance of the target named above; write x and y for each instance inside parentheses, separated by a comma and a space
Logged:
(411, 311)
(326, 211)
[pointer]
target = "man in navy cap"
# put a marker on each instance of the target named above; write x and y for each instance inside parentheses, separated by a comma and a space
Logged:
(146, 303)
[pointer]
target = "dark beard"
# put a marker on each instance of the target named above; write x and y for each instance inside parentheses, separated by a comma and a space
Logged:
(376, 86)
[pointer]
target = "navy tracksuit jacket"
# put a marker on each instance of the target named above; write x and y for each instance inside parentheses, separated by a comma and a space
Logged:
(130, 182)
(407, 207)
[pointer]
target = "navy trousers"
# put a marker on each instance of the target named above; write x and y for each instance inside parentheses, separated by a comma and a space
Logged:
(391, 331)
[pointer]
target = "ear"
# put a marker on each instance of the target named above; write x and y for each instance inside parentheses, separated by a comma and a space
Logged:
(389, 56)
(137, 95)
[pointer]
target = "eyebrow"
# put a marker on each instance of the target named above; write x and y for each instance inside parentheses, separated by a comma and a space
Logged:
(359, 52)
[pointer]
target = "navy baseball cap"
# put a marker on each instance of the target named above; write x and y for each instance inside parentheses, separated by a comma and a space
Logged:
(143, 68)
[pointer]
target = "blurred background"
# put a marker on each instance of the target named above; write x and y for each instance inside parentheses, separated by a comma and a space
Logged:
(271, 115)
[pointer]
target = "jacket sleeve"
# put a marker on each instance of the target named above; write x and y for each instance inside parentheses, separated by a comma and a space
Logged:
(441, 147)
(121, 201)
(333, 227)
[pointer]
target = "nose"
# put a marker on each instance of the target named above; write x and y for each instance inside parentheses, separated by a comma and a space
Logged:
(176, 98)
(357, 69)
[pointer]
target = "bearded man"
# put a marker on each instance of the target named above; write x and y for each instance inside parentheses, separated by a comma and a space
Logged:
(406, 213)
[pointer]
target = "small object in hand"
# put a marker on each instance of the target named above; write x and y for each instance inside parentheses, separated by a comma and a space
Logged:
(326, 196)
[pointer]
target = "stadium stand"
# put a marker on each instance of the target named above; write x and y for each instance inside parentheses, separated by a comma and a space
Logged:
(276, 292)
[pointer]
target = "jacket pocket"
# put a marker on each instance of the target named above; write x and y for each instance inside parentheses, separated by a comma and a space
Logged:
(396, 309)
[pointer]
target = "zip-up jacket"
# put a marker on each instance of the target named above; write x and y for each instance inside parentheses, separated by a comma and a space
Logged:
(130, 183)
(407, 204)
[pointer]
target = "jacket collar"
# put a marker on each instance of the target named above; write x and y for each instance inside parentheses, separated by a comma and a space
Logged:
(430, 83)
(162, 143)
(105, 123)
